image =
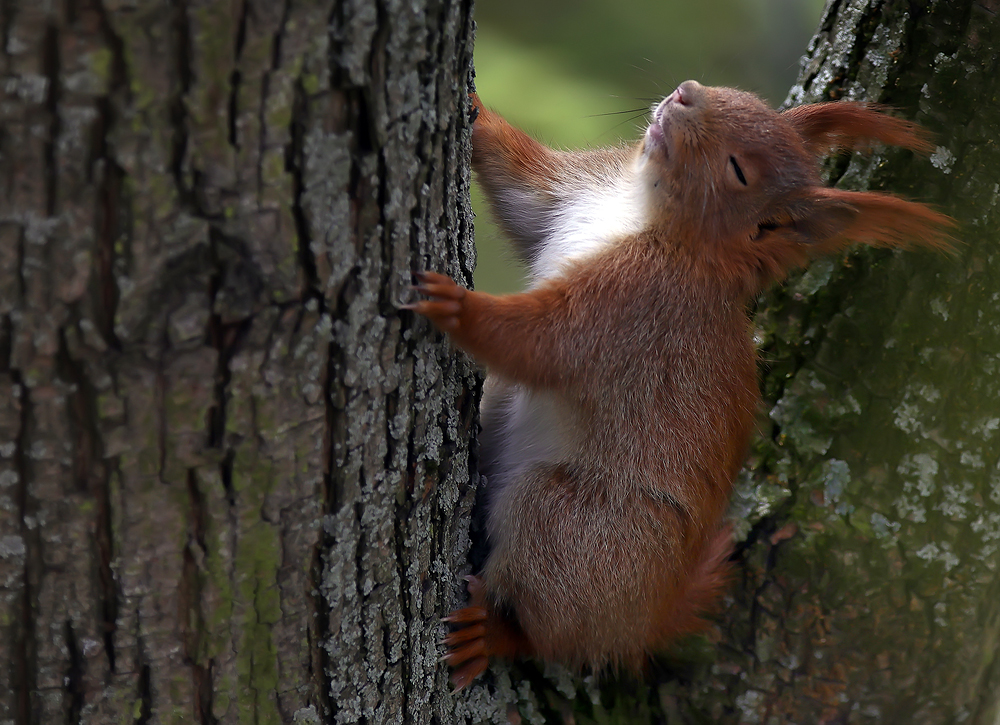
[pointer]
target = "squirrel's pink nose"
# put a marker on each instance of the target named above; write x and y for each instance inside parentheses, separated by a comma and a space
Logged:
(686, 93)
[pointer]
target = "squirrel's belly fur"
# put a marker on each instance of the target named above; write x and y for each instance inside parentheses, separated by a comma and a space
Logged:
(520, 428)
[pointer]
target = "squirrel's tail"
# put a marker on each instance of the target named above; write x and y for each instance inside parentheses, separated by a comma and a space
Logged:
(699, 594)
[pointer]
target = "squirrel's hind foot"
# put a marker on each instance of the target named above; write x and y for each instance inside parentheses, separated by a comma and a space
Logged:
(481, 634)
(468, 651)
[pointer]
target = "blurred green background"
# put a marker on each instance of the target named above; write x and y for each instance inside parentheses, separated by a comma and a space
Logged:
(557, 68)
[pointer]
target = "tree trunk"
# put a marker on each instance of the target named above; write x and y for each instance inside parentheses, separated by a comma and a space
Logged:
(235, 481)
(871, 589)
(870, 509)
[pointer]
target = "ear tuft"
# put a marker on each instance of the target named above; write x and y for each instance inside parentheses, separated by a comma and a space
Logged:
(882, 220)
(848, 125)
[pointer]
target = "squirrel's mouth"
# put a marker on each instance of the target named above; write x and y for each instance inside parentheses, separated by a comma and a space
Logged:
(655, 133)
(656, 136)
(661, 133)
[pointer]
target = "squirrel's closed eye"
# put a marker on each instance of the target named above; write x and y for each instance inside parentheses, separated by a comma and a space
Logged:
(738, 170)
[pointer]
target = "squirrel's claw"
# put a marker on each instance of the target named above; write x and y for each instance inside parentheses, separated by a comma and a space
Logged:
(464, 675)
(445, 305)
(467, 615)
(476, 647)
(465, 634)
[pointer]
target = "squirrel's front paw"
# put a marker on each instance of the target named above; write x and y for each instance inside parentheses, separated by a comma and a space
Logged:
(446, 303)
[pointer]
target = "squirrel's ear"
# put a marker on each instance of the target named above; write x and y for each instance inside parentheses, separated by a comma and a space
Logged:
(825, 127)
(822, 221)
(833, 218)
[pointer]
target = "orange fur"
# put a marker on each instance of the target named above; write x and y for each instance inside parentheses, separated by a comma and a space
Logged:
(849, 125)
(622, 388)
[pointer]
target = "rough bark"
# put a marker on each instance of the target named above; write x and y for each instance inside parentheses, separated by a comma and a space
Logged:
(870, 509)
(234, 478)
(871, 586)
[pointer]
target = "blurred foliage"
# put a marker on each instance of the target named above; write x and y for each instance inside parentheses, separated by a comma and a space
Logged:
(584, 72)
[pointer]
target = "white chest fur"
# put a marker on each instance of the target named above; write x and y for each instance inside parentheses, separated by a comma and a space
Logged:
(587, 219)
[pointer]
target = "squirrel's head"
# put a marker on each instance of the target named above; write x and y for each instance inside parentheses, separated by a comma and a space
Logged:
(740, 181)
(720, 152)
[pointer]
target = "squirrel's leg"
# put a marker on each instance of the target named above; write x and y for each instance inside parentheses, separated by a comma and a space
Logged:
(518, 175)
(515, 336)
(482, 633)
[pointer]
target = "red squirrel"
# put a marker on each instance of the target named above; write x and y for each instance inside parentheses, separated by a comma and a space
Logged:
(622, 389)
